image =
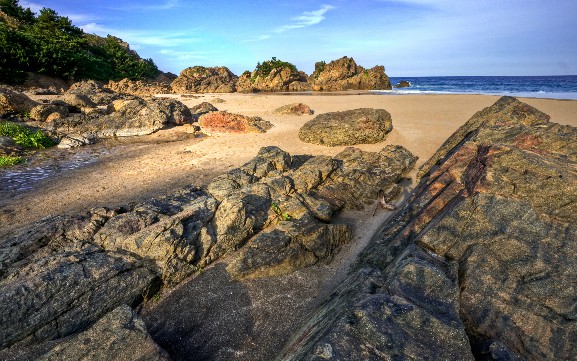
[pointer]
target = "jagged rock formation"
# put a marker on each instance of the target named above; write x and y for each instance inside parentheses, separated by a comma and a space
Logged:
(138, 87)
(480, 261)
(278, 80)
(272, 216)
(350, 127)
(233, 123)
(294, 109)
(345, 74)
(199, 79)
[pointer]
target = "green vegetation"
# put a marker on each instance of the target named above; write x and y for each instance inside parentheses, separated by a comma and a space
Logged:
(6, 160)
(280, 215)
(25, 136)
(50, 44)
(319, 67)
(267, 66)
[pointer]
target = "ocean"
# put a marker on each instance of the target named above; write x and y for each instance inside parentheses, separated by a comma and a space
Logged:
(554, 87)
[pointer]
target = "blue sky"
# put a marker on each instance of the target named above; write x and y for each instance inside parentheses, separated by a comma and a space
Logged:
(408, 37)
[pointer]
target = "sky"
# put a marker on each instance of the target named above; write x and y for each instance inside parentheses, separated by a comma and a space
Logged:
(408, 37)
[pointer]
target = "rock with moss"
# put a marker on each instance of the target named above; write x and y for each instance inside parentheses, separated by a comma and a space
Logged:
(200, 79)
(345, 74)
(272, 76)
(350, 127)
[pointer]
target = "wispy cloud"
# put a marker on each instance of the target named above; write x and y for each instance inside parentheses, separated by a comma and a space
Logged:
(184, 55)
(167, 5)
(258, 38)
(307, 18)
(138, 38)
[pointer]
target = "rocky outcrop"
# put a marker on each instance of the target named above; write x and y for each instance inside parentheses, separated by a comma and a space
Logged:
(138, 87)
(233, 123)
(120, 335)
(478, 263)
(350, 127)
(294, 109)
(345, 74)
(278, 80)
(199, 79)
(125, 117)
(272, 216)
(12, 102)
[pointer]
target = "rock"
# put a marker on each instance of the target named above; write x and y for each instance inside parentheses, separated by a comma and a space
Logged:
(165, 78)
(45, 82)
(233, 123)
(218, 101)
(9, 148)
(294, 109)
(345, 74)
(139, 87)
(358, 126)
(279, 79)
(480, 260)
(120, 335)
(402, 84)
(12, 102)
(200, 79)
(293, 203)
(203, 108)
(75, 140)
(96, 91)
(75, 102)
(129, 117)
(54, 283)
(48, 112)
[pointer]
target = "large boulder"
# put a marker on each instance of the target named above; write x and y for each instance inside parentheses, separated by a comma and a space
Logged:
(480, 261)
(345, 74)
(199, 79)
(13, 102)
(277, 80)
(350, 127)
(138, 87)
(233, 123)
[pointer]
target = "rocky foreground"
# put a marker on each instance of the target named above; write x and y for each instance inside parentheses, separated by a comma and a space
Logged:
(478, 263)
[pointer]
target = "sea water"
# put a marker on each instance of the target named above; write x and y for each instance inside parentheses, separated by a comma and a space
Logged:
(553, 87)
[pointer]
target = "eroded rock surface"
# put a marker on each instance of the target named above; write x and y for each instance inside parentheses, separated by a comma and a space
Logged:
(199, 79)
(138, 87)
(345, 74)
(480, 261)
(350, 127)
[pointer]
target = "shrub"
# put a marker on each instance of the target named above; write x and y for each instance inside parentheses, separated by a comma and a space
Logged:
(266, 67)
(6, 160)
(25, 136)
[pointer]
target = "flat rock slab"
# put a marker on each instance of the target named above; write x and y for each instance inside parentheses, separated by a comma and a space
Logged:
(350, 127)
(294, 109)
(233, 123)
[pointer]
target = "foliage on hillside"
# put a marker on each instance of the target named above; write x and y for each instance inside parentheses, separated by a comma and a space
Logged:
(50, 44)
(267, 66)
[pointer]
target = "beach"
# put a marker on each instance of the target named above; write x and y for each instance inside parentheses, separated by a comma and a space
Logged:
(142, 167)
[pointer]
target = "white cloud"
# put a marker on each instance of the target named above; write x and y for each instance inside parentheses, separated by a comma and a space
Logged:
(139, 38)
(33, 6)
(167, 5)
(308, 18)
(258, 38)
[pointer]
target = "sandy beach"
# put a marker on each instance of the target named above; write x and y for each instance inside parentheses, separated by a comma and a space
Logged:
(138, 168)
